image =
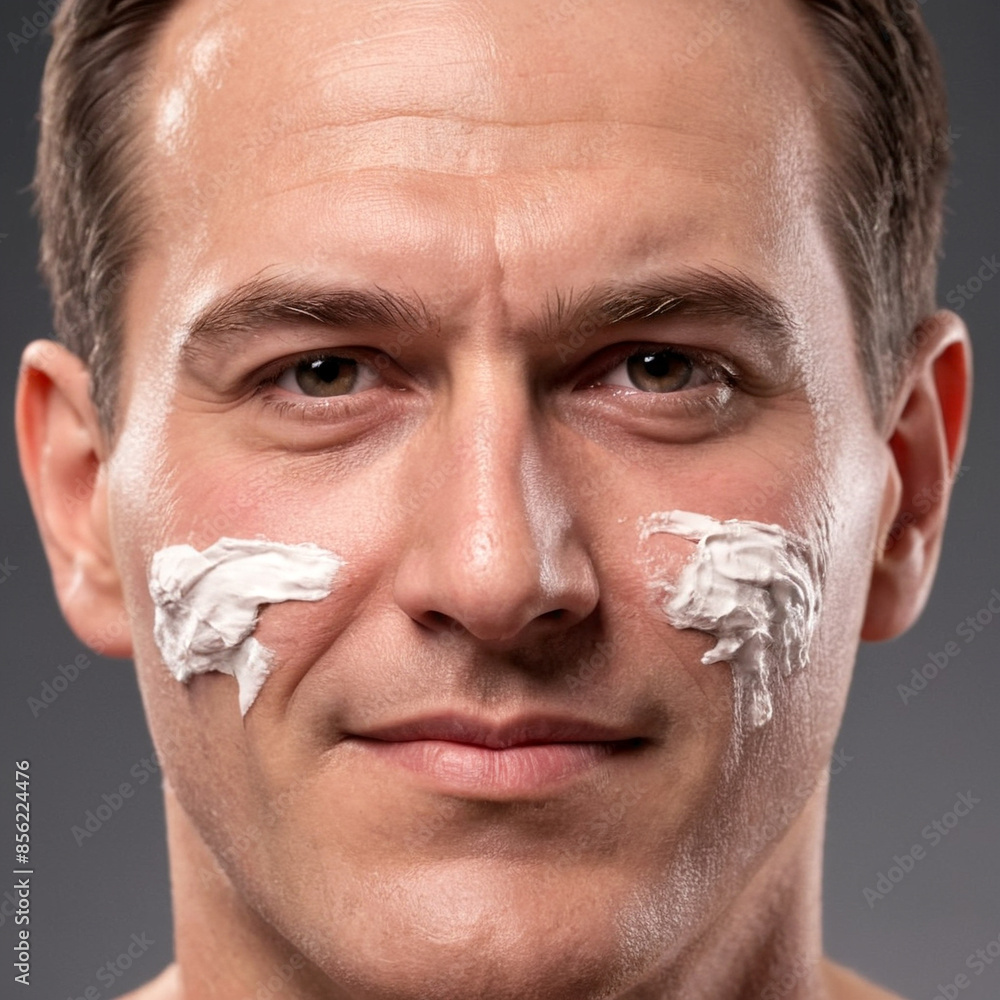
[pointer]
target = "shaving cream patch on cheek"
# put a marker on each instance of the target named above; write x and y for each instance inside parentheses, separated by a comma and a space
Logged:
(755, 588)
(207, 603)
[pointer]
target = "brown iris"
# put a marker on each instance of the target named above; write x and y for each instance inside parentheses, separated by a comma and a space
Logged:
(659, 371)
(329, 376)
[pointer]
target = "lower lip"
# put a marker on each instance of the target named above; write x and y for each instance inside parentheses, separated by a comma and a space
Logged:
(467, 767)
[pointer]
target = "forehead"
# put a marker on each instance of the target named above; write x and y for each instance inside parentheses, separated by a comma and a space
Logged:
(483, 137)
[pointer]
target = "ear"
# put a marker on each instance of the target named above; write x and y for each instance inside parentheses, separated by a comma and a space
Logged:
(63, 452)
(926, 439)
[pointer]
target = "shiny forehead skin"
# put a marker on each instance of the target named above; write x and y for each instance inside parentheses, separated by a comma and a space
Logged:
(266, 99)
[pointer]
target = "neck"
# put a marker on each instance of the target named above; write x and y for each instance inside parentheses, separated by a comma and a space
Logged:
(765, 945)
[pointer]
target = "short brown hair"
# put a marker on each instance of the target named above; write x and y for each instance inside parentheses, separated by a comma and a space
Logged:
(884, 201)
(887, 177)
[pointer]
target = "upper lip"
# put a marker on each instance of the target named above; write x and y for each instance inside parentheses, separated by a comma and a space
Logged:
(498, 734)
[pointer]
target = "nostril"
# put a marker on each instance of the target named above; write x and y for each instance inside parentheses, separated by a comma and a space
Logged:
(441, 622)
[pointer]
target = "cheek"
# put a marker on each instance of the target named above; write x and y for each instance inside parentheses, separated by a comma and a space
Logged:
(208, 601)
(852, 501)
(754, 588)
(767, 636)
(256, 562)
(220, 492)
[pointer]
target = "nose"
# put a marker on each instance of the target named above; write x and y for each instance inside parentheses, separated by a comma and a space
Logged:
(492, 546)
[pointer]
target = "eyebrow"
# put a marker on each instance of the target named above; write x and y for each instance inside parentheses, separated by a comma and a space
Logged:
(710, 293)
(260, 302)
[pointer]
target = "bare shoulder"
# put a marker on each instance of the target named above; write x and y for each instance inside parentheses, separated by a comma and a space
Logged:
(166, 986)
(843, 984)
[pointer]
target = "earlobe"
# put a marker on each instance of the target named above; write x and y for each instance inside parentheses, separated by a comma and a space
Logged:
(925, 442)
(63, 456)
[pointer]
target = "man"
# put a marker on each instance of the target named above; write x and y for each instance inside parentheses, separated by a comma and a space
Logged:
(436, 335)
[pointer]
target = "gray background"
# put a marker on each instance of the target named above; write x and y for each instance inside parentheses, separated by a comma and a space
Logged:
(901, 766)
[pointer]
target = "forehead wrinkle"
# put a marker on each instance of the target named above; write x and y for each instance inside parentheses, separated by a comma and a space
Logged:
(682, 121)
(456, 38)
(454, 142)
(434, 143)
(381, 100)
(447, 44)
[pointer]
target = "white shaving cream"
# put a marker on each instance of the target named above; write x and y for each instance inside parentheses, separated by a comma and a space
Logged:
(754, 587)
(207, 603)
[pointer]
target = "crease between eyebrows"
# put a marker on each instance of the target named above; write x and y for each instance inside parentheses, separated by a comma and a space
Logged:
(282, 300)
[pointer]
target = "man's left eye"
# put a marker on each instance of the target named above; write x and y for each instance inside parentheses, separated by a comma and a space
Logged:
(329, 375)
(658, 371)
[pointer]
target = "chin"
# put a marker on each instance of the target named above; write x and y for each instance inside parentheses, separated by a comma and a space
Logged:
(438, 934)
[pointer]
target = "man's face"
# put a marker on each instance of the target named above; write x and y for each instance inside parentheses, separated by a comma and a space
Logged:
(482, 463)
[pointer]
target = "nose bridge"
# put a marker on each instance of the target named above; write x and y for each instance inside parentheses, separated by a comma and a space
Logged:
(491, 548)
(492, 482)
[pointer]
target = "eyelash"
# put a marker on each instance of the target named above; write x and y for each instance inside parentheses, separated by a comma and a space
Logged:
(721, 377)
(718, 372)
(309, 407)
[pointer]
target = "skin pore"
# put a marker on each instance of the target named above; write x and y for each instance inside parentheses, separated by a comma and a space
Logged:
(404, 265)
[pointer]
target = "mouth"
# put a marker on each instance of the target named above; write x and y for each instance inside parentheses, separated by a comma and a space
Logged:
(460, 754)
